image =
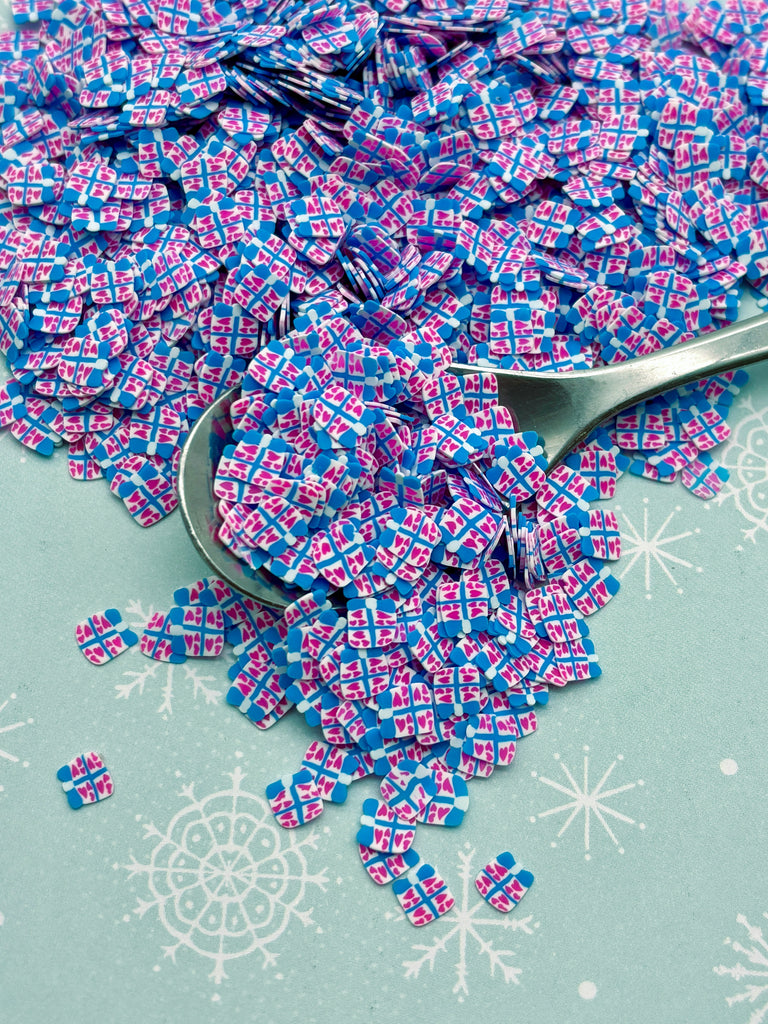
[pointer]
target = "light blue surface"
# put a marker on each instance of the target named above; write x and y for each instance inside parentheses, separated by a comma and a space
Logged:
(93, 902)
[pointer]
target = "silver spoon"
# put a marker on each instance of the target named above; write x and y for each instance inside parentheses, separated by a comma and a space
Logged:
(561, 407)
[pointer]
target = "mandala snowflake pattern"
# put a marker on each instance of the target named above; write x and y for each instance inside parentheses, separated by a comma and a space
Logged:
(592, 803)
(9, 727)
(649, 548)
(163, 676)
(752, 975)
(224, 880)
(465, 926)
(745, 456)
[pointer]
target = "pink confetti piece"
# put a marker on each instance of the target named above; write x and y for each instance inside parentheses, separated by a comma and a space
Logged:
(295, 799)
(85, 780)
(103, 636)
(383, 867)
(382, 829)
(423, 894)
(502, 882)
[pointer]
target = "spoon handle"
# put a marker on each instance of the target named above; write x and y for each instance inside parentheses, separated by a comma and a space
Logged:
(564, 407)
(726, 349)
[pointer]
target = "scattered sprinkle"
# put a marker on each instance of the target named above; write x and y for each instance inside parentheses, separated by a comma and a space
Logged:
(85, 780)
(503, 883)
(423, 894)
(103, 636)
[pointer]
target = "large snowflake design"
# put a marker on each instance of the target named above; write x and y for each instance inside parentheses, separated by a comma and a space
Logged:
(224, 880)
(592, 803)
(753, 975)
(5, 728)
(745, 456)
(649, 547)
(167, 677)
(464, 925)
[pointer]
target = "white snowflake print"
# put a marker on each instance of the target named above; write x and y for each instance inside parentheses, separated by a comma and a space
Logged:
(753, 975)
(591, 802)
(225, 880)
(648, 546)
(166, 676)
(464, 925)
(6, 728)
(745, 456)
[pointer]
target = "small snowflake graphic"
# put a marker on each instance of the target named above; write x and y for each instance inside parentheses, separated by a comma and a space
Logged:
(745, 456)
(465, 924)
(224, 879)
(753, 975)
(649, 547)
(6, 755)
(166, 676)
(592, 802)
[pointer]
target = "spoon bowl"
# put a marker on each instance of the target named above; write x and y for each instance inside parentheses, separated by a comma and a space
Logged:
(199, 506)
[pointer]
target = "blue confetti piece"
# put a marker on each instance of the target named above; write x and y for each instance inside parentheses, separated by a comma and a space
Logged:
(423, 894)
(382, 829)
(85, 780)
(103, 636)
(386, 867)
(294, 799)
(502, 882)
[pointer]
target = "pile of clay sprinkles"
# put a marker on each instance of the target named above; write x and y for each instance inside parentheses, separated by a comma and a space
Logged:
(327, 205)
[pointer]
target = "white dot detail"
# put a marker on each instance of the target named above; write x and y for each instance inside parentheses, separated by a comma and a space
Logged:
(587, 990)
(728, 766)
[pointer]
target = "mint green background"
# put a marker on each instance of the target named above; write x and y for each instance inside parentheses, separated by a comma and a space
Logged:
(683, 687)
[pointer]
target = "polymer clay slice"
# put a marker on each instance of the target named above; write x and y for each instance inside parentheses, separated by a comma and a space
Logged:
(85, 780)
(502, 882)
(423, 894)
(103, 636)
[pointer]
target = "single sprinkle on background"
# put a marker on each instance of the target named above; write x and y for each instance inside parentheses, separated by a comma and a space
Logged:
(85, 780)
(502, 882)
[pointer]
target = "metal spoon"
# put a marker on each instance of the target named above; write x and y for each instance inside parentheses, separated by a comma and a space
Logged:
(561, 407)
(564, 407)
